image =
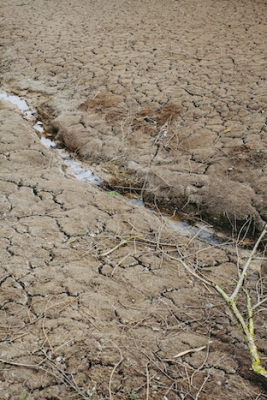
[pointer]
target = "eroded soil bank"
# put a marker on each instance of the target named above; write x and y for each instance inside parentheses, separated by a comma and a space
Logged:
(168, 99)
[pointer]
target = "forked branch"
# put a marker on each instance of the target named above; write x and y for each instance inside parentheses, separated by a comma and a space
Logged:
(247, 327)
(245, 269)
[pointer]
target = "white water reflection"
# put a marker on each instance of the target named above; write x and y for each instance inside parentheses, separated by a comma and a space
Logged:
(20, 103)
(38, 127)
(75, 168)
(184, 229)
(49, 144)
(137, 202)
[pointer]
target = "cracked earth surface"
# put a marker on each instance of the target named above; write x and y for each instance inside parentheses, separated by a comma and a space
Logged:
(167, 99)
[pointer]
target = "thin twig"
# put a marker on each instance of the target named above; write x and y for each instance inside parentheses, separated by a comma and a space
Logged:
(259, 303)
(136, 237)
(244, 272)
(113, 371)
(147, 381)
(201, 387)
(195, 350)
(33, 366)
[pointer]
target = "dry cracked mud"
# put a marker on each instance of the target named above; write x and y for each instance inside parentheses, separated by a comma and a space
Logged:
(163, 99)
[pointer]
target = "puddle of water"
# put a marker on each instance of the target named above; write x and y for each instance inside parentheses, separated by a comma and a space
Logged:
(49, 144)
(183, 228)
(20, 103)
(76, 169)
(133, 199)
(178, 223)
(137, 202)
(73, 167)
(38, 127)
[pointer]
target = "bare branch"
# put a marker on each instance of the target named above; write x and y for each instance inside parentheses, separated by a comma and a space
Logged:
(244, 273)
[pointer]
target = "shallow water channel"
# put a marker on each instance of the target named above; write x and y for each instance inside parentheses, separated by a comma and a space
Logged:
(75, 168)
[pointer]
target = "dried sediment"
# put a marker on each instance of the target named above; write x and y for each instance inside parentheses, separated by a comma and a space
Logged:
(108, 76)
(147, 92)
(93, 297)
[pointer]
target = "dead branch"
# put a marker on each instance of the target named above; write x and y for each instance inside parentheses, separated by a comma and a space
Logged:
(247, 328)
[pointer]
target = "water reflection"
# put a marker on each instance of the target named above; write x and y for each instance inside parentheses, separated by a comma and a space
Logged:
(20, 103)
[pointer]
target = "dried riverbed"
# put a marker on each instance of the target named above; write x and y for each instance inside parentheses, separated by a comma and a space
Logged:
(94, 301)
(76, 169)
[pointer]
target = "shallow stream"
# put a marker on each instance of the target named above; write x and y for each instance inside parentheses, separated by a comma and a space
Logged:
(75, 168)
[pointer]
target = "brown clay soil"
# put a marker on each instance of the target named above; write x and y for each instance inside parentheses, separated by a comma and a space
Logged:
(163, 99)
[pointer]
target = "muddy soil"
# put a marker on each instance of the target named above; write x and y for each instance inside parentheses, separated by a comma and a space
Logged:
(167, 101)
